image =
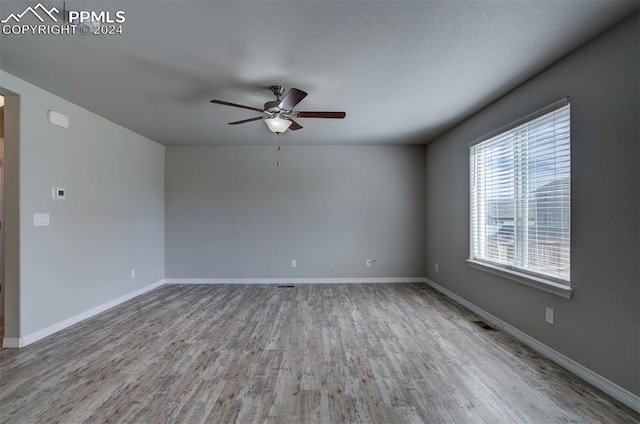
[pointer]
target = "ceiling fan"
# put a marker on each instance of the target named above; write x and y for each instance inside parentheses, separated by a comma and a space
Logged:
(279, 114)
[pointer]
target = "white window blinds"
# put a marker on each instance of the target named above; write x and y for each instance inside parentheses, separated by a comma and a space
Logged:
(521, 198)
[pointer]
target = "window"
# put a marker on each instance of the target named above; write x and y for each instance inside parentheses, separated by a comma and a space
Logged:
(521, 197)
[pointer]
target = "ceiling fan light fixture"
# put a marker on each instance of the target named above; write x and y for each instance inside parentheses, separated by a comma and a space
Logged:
(278, 125)
(278, 114)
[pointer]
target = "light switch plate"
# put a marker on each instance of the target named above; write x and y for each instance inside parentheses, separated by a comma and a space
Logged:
(40, 219)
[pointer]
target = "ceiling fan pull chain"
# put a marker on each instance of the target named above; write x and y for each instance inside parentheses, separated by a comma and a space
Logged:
(278, 163)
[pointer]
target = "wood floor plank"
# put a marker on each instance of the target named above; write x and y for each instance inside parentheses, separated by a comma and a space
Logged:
(357, 353)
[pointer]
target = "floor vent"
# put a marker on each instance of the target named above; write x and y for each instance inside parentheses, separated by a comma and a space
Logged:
(483, 325)
(284, 286)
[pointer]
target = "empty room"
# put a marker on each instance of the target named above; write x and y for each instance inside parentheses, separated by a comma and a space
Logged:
(320, 211)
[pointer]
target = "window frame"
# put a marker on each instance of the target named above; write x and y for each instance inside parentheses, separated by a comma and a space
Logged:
(529, 278)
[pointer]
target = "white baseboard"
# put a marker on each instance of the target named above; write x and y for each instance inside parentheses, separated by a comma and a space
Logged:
(15, 342)
(10, 342)
(294, 280)
(607, 386)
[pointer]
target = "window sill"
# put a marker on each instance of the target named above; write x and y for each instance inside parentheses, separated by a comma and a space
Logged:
(528, 280)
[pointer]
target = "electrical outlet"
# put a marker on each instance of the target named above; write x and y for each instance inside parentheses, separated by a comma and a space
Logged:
(368, 262)
(436, 267)
(549, 316)
(133, 273)
(293, 263)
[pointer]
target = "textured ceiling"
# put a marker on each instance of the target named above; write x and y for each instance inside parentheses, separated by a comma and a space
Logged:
(403, 71)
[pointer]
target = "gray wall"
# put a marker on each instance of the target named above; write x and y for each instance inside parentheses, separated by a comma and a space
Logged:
(230, 212)
(111, 221)
(599, 326)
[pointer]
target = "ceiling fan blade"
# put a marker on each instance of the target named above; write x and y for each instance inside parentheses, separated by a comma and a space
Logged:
(244, 121)
(330, 115)
(293, 97)
(294, 125)
(222, 102)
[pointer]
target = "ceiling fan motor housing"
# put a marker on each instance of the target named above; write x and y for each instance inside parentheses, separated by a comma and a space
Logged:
(272, 106)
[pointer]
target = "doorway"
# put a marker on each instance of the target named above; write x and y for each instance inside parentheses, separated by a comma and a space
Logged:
(9, 218)
(2, 286)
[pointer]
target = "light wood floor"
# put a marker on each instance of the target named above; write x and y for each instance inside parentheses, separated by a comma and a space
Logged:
(360, 353)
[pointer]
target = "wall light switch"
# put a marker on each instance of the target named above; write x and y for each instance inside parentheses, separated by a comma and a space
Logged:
(293, 263)
(40, 219)
(368, 262)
